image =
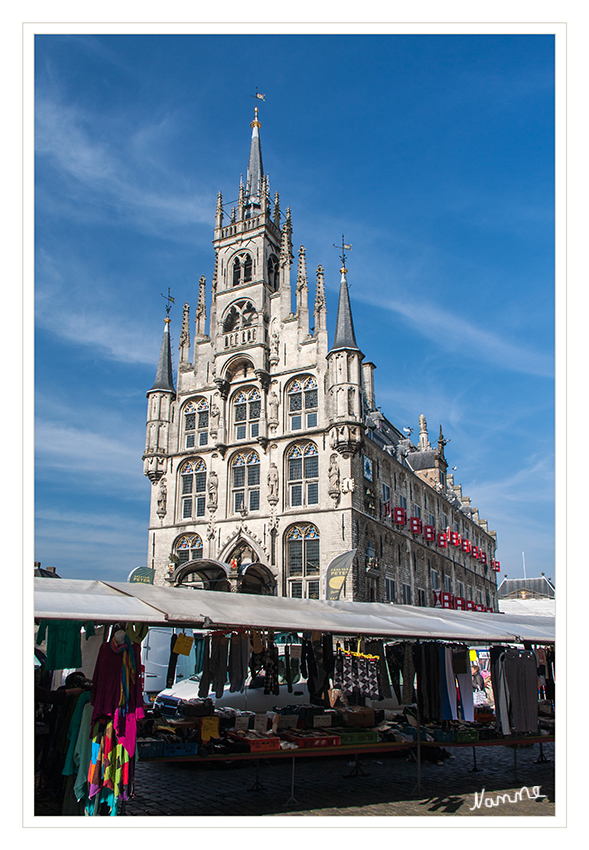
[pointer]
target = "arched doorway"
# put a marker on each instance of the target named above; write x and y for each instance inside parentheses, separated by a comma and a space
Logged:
(251, 574)
(201, 574)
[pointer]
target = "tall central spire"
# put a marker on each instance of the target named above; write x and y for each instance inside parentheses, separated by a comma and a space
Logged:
(255, 170)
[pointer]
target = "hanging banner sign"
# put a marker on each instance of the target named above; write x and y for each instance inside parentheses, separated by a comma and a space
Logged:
(336, 574)
(143, 575)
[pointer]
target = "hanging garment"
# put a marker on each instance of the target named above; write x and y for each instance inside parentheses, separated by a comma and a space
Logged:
(72, 735)
(117, 690)
(449, 679)
(238, 661)
(376, 647)
(82, 755)
(367, 678)
(219, 647)
(111, 767)
(287, 669)
(328, 655)
(171, 674)
(271, 685)
(63, 642)
(426, 657)
(408, 675)
(395, 655)
(317, 682)
(522, 683)
(205, 679)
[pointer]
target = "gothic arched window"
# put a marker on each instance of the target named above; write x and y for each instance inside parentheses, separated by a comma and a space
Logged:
(188, 548)
(193, 486)
(242, 269)
(245, 481)
(196, 423)
(273, 272)
(303, 475)
(302, 403)
(302, 561)
(246, 414)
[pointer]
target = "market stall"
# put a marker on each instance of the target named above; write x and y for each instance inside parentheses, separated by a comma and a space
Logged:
(421, 652)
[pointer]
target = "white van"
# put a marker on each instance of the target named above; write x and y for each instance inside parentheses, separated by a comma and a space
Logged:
(252, 698)
(155, 657)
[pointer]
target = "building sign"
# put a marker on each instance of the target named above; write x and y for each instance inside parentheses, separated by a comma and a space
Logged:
(336, 574)
(143, 575)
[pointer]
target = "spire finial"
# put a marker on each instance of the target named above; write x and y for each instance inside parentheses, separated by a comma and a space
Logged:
(257, 96)
(170, 301)
(344, 248)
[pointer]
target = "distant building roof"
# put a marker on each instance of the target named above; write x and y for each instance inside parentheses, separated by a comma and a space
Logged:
(538, 606)
(526, 588)
(424, 459)
(49, 572)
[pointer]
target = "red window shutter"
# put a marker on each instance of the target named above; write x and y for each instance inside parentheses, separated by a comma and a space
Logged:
(466, 545)
(430, 532)
(415, 525)
(484, 557)
(475, 552)
(400, 516)
(455, 538)
(442, 540)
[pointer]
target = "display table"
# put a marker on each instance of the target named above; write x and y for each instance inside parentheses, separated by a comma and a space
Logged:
(357, 750)
(494, 742)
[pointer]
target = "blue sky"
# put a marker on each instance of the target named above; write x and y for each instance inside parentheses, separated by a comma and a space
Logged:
(433, 155)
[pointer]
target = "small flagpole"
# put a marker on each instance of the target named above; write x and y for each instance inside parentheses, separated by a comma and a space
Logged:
(524, 562)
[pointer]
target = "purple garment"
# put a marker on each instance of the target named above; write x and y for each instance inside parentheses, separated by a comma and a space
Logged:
(106, 694)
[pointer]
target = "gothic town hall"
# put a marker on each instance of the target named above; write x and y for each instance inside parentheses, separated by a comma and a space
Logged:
(268, 455)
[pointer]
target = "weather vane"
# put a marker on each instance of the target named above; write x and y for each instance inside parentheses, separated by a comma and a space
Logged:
(170, 301)
(258, 96)
(344, 248)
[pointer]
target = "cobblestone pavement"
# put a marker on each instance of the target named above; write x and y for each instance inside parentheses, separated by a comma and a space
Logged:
(322, 788)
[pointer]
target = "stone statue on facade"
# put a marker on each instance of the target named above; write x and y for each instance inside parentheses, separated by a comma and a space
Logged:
(162, 498)
(213, 486)
(273, 402)
(214, 419)
(273, 484)
(333, 476)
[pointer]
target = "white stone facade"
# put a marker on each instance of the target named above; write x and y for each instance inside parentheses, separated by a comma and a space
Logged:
(261, 453)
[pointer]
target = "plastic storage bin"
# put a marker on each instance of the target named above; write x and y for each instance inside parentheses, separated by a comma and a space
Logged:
(150, 749)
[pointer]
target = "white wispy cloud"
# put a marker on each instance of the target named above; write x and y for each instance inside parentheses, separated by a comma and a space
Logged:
(459, 336)
(78, 304)
(129, 180)
(99, 460)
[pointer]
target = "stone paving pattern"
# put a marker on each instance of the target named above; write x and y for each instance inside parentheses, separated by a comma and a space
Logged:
(322, 789)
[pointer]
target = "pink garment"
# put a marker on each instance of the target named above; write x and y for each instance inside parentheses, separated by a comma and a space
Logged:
(106, 694)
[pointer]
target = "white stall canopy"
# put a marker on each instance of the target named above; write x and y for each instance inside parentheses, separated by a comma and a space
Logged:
(109, 602)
